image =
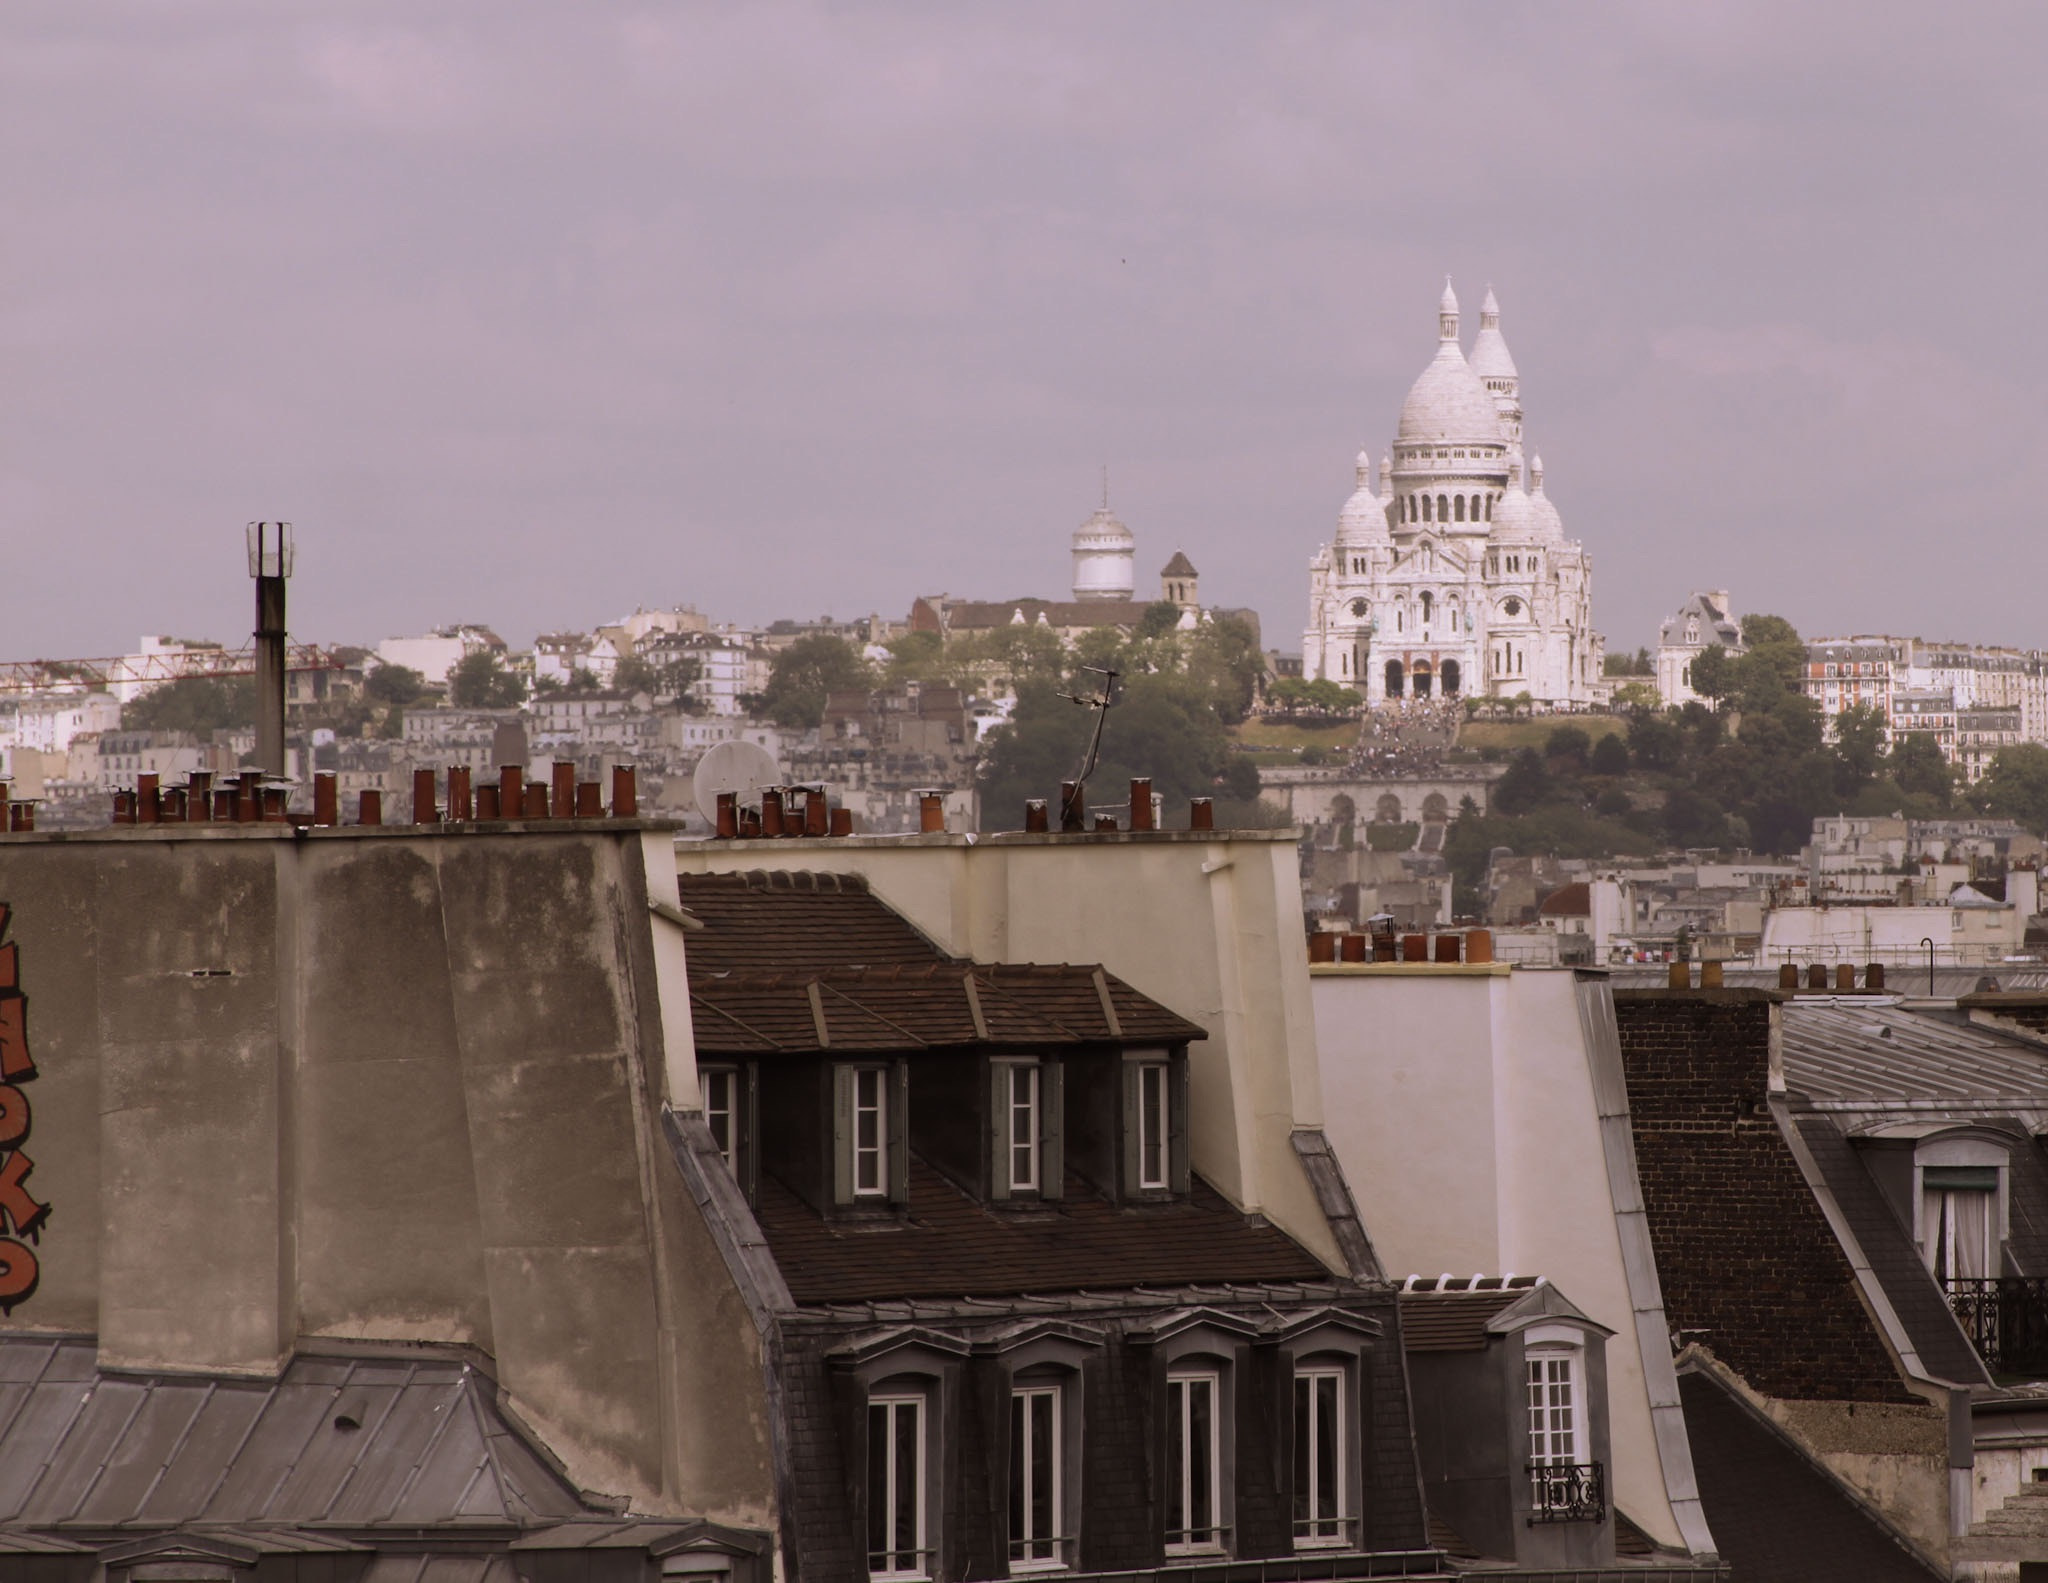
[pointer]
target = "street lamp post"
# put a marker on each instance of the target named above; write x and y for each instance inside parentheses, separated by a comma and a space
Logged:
(270, 563)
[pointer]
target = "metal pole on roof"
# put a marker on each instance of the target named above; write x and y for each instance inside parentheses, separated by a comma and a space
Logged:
(1928, 941)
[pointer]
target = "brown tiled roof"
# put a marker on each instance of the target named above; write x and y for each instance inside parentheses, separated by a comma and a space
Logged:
(776, 921)
(1568, 901)
(1454, 1320)
(808, 963)
(951, 1246)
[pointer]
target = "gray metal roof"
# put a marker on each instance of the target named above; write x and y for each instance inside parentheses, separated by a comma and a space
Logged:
(341, 1442)
(1875, 1051)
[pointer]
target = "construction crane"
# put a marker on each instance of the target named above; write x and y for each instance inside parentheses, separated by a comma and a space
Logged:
(151, 670)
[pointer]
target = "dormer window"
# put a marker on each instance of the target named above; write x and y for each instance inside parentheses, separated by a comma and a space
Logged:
(1155, 1125)
(1025, 1105)
(870, 1158)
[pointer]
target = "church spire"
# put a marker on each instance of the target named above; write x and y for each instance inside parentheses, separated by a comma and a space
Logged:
(1447, 313)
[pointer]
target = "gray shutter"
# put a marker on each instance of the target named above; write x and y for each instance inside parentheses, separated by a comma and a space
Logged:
(998, 1130)
(1133, 1098)
(1052, 1128)
(842, 1134)
(1177, 1120)
(898, 1081)
(747, 1150)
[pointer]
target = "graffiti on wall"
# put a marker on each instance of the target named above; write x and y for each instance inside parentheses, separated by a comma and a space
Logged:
(20, 1215)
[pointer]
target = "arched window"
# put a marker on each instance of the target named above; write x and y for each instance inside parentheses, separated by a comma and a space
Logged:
(1460, 508)
(1388, 809)
(1443, 513)
(1489, 506)
(1394, 678)
(1453, 676)
(1426, 516)
(1428, 605)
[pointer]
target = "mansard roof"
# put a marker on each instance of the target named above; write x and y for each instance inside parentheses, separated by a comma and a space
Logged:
(949, 1245)
(815, 963)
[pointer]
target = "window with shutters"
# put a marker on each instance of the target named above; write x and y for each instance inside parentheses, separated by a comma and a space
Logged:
(1038, 1525)
(870, 1164)
(1026, 1159)
(729, 1109)
(1154, 1124)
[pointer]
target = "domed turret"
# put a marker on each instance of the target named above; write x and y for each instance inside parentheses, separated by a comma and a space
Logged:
(1548, 523)
(1495, 366)
(1105, 556)
(1364, 517)
(1514, 516)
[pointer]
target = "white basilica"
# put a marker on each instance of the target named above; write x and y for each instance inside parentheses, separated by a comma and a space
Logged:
(1453, 577)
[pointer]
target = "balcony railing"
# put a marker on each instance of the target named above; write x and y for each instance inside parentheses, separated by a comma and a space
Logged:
(1567, 1492)
(2006, 1319)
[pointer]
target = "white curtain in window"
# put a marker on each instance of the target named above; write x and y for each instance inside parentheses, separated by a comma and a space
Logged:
(1956, 1232)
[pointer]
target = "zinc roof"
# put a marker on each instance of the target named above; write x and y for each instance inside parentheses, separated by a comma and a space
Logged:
(1878, 1052)
(355, 1443)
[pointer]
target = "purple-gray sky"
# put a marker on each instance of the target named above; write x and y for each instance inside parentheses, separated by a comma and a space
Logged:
(533, 312)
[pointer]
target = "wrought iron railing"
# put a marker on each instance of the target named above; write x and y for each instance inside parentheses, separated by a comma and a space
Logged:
(2006, 1319)
(1567, 1492)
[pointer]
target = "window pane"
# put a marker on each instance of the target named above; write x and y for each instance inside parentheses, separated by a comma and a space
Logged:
(718, 1092)
(1152, 1122)
(1201, 1467)
(907, 1491)
(878, 1486)
(1020, 1471)
(1176, 1461)
(1327, 1444)
(1044, 1482)
(1304, 1455)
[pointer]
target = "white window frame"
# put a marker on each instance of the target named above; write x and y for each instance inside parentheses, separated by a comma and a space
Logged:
(1155, 1144)
(1319, 1530)
(878, 1151)
(1181, 1385)
(725, 1105)
(891, 1403)
(1027, 1153)
(1034, 1552)
(1544, 1367)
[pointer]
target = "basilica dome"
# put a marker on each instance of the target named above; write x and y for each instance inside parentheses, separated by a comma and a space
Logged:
(1514, 514)
(1448, 405)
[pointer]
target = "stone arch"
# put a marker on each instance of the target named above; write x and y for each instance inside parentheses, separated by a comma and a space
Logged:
(1394, 678)
(1458, 509)
(1419, 679)
(1436, 809)
(1453, 676)
(1342, 809)
(1388, 809)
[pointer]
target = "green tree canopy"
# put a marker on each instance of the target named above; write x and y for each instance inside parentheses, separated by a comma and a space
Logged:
(198, 704)
(394, 684)
(805, 672)
(480, 681)
(2016, 785)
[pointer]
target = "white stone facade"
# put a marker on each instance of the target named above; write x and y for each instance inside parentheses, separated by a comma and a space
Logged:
(1706, 620)
(1452, 577)
(1105, 558)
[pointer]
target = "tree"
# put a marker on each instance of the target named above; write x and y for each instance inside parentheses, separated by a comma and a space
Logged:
(1610, 757)
(1711, 673)
(1859, 744)
(1525, 786)
(2016, 785)
(480, 681)
(919, 657)
(1568, 743)
(805, 672)
(1160, 618)
(394, 684)
(1918, 767)
(1162, 727)
(200, 705)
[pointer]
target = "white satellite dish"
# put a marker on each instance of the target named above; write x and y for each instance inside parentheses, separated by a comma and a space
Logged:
(732, 767)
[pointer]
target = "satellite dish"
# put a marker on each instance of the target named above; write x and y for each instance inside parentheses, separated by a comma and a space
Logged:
(732, 767)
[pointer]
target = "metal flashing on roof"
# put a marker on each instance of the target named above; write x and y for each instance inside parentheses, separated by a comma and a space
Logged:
(904, 1338)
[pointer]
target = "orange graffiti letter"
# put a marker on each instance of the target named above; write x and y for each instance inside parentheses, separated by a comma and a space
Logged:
(19, 1273)
(21, 1212)
(15, 1064)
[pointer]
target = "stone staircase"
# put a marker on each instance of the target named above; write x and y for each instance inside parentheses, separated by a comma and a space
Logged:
(2016, 1530)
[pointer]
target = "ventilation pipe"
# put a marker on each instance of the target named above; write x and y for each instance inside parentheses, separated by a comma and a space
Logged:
(270, 563)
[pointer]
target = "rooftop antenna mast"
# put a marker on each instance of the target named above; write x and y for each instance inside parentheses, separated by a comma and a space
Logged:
(1074, 794)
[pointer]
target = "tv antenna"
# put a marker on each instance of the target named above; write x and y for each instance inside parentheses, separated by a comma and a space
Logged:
(1101, 701)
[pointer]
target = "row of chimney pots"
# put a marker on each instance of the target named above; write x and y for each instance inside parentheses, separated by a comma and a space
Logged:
(251, 797)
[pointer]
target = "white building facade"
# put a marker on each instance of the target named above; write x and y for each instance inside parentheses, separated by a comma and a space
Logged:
(1450, 574)
(1706, 620)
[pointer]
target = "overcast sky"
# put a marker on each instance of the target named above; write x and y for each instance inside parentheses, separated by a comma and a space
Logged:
(530, 313)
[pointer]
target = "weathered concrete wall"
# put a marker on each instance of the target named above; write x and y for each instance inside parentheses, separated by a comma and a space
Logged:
(392, 1085)
(1209, 925)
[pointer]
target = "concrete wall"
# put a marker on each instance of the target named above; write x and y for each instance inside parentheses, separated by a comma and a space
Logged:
(1461, 1103)
(1209, 925)
(386, 1085)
